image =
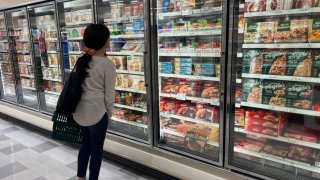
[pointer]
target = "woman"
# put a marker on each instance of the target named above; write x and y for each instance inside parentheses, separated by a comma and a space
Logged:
(96, 104)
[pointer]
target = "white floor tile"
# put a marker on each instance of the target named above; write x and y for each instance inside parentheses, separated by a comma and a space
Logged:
(62, 154)
(26, 174)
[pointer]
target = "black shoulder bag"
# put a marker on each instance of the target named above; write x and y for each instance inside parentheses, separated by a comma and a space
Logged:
(64, 126)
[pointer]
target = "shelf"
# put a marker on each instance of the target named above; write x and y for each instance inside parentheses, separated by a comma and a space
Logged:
(238, 81)
(239, 55)
(27, 76)
(190, 77)
(214, 101)
(77, 24)
(283, 109)
(75, 52)
(49, 79)
(52, 93)
(134, 123)
(130, 107)
(292, 45)
(7, 73)
(172, 132)
(198, 121)
(129, 72)
(23, 52)
(22, 40)
(51, 66)
(277, 159)
(3, 41)
(127, 36)
(126, 53)
(181, 54)
(21, 63)
(237, 105)
(74, 38)
(3, 51)
(19, 29)
(29, 88)
(302, 11)
(51, 39)
(52, 52)
(2, 62)
(196, 32)
(280, 138)
(204, 11)
(120, 19)
(283, 78)
(131, 90)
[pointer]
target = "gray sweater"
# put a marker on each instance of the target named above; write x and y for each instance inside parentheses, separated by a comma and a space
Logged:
(98, 92)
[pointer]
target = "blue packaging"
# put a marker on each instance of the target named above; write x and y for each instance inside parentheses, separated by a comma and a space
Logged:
(166, 5)
(205, 65)
(166, 64)
(185, 60)
(168, 68)
(185, 69)
(183, 65)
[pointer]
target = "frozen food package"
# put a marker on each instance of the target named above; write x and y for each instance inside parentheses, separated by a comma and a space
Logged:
(210, 90)
(277, 149)
(273, 5)
(170, 85)
(259, 32)
(299, 95)
(135, 64)
(275, 62)
(297, 4)
(262, 130)
(255, 5)
(127, 81)
(273, 93)
(302, 154)
(119, 80)
(75, 17)
(299, 62)
(119, 61)
(239, 117)
(253, 61)
(314, 30)
(291, 31)
(315, 72)
(252, 90)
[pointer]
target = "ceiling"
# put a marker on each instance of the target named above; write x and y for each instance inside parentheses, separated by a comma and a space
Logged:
(12, 3)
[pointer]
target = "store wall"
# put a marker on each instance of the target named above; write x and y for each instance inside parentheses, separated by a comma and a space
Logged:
(11, 3)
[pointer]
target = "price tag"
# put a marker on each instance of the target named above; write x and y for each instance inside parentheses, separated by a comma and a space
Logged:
(181, 96)
(214, 101)
(292, 110)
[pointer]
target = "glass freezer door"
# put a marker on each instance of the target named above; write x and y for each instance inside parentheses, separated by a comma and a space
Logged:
(23, 63)
(126, 22)
(189, 59)
(7, 87)
(45, 45)
(274, 110)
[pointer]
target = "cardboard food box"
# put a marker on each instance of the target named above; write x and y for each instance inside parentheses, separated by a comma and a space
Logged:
(252, 90)
(299, 63)
(299, 95)
(314, 30)
(210, 90)
(275, 62)
(170, 85)
(276, 149)
(291, 31)
(253, 61)
(259, 32)
(315, 72)
(273, 93)
(255, 5)
(302, 154)
(119, 61)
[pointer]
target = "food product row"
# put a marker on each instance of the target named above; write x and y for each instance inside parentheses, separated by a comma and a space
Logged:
(131, 99)
(275, 124)
(129, 115)
(26, 70)
(49, 33)
(191, 25)
(131, 82)
(127, 46)
(181, 5)
(272, 5)
(298, 30)
(192, 88)
(4, 46)
(190, 45)
(51, 73)
(78, 17)
(45, 20)
(293, 62)
(188, 66)
(18, 22)
(271, 148)
(8, 80)
(128, 63)
(53, 86)
(298, 95)
(5, 57)
(132, 27)
(197, 111)
(27, 82)
(6, 68)
(121, 9)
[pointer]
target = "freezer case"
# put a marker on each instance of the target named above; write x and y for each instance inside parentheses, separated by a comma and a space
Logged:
(46, 50)
(274, 123)
(7, 85)
(189, 46)
(22, 60)
(126, 21)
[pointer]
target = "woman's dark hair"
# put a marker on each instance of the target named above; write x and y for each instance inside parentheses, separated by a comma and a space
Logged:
(95, 37)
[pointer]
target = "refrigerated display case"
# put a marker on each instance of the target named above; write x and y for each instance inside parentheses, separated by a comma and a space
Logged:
(274, 123)
(22, 60)
(190, 78)
(74, 16)
(6, 72)
(128, 21)
(46, 50)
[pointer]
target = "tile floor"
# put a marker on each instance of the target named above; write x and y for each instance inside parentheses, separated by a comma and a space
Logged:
(25, 155)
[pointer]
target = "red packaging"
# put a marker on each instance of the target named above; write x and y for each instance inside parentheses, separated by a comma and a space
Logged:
(250, 145)
(263, 130)
(186, 109)
(210, 90)
(302, 154)
(204, 112)
(261, 122)
(239, 117)
(189, 88)
(297, 131)
(170, 86)
(255, 6)
(264, 115)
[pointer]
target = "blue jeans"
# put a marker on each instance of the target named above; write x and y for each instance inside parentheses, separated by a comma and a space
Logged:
(92, 145)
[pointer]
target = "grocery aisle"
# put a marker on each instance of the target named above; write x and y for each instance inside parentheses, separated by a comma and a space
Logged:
(25, 154)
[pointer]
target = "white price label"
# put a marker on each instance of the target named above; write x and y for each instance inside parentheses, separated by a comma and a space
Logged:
(181, 96)
(292, 110)
(214, 101)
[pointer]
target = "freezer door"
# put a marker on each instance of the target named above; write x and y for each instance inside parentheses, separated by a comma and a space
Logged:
(273, 112)
(46, 51)
(127, 21)
(190, 77)
(7, 76)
